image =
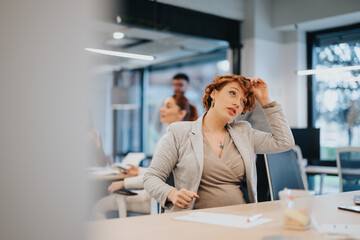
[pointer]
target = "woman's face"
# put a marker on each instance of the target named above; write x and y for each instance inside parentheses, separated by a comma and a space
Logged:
(171, 112)
(229, 101)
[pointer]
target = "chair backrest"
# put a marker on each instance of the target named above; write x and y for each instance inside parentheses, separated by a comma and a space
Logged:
(170, 181)
(302, 166)
(348, 164)
(283, 172)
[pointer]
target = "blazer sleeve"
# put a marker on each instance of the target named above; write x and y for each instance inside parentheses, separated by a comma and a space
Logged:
(279, 139)
(135, 182)
(164, 160)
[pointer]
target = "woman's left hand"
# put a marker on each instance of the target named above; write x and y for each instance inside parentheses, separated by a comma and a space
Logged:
(114, 186)
(261, 91)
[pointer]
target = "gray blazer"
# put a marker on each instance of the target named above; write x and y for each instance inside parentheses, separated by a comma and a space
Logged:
(180, 150)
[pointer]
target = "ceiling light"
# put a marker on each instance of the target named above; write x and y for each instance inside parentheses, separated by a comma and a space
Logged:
(324, 70)
(118, 35)
(121, 54)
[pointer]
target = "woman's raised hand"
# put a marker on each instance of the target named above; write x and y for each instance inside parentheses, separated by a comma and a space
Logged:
(181, 198)
(261, 91)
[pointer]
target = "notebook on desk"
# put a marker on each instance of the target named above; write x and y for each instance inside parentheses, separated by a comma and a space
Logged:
(131, 158)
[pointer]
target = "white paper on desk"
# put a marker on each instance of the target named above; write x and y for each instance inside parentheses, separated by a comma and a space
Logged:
(131, 158)
(102, 171)
(227, 220)
(352, 230)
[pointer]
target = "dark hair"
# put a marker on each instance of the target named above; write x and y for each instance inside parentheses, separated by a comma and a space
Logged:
(181, 76)
(183, 103)
(221, 81)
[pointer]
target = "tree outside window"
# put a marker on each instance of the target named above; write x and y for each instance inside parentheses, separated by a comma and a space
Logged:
(337, 93)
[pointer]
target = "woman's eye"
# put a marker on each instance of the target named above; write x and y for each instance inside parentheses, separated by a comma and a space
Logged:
(233, 93)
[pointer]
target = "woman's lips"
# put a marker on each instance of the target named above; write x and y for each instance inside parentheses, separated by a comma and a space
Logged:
(232, 111)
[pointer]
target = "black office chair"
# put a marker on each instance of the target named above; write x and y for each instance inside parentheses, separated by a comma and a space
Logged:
(283, 172)
(171, 182)
(263, 192)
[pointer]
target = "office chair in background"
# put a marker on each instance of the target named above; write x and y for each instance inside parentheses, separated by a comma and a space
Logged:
(348, 164)
(283, 171)
(302, 166)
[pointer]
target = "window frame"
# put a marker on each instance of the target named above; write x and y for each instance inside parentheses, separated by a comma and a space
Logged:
(311, 41)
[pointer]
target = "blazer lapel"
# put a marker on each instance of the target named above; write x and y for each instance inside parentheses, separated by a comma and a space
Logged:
(196, 138)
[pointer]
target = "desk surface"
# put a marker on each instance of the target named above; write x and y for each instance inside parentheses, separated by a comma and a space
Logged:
(105, 174)
(322, 170)
(109, 177)
(163, 226)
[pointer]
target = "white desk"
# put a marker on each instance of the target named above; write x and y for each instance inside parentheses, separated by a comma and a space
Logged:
(163, 226)
(322, 170)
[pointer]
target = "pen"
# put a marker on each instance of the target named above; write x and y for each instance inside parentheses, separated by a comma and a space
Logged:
(253, 218)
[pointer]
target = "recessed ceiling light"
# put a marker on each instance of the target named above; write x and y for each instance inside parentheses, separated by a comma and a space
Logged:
(121, 54)
(118, 35)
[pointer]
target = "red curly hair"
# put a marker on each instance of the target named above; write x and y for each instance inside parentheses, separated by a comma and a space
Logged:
(183, 103)
(221, 81)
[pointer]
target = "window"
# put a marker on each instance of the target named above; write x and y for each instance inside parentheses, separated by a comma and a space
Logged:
(127, 121)
(335, 95)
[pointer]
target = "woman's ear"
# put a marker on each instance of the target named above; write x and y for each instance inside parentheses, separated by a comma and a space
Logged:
(182, 114)
(212, 94)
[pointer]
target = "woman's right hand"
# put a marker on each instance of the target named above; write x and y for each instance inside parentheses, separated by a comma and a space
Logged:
(261, 91)
(133, 171)
(114, 186)
(181, 198)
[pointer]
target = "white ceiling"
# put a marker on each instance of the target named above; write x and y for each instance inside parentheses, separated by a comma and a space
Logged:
(233, 9)
(163, 46)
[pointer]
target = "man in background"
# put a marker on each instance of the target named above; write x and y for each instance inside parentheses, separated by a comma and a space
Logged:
(180, 83)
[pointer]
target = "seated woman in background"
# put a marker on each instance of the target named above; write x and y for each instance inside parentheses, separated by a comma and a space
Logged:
(176, 108)
(212, 156)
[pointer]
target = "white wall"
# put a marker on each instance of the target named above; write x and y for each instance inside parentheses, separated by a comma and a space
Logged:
(267, 54)
(42, 107)
(294, 87)
(286, 13)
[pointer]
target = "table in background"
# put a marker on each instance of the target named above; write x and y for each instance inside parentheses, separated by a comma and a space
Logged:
(163, 226)
(109, 177)
(98, 185)
(312, 171)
